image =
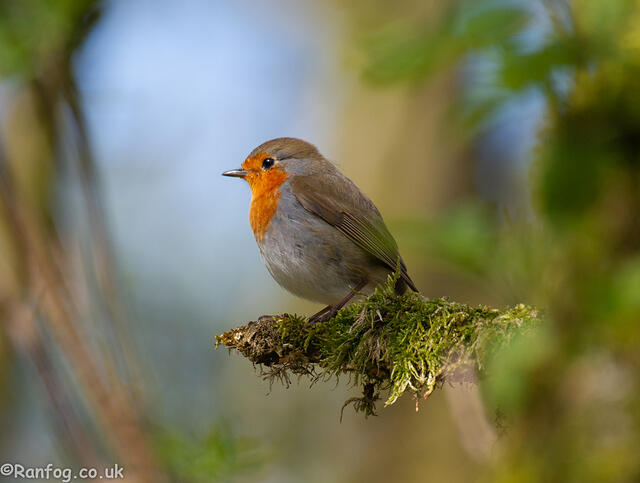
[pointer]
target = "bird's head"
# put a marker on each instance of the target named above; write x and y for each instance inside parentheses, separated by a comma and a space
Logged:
(266, 169)
(273, 162)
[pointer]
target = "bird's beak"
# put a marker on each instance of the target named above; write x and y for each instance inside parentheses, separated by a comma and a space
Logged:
(236, 173)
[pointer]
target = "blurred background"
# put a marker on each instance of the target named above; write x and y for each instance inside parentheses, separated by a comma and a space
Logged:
(499, 138)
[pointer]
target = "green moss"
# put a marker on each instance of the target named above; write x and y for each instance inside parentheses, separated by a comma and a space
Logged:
(385, 343)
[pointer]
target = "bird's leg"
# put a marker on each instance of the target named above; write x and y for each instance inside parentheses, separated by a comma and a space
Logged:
(317, 315)
(330, 311)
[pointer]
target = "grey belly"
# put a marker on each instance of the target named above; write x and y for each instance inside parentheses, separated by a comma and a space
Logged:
(313, 260)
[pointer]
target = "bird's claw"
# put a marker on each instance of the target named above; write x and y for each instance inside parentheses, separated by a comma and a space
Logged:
(320, 317)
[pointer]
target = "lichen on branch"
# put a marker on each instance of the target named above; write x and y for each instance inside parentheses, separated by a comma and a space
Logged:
(384, 343)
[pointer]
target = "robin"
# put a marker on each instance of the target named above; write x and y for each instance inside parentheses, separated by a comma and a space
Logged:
(320, 237)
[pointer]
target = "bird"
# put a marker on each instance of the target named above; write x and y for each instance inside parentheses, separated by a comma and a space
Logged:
(320, 237)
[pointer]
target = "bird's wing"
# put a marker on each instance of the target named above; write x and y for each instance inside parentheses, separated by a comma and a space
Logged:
(352, 213)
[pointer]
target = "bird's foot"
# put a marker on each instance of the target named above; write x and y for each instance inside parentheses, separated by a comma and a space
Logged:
(325, 314)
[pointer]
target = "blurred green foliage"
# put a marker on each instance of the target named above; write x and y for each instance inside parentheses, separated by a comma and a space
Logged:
(217, 457)
(571, 394)
(34, 33)
(439, 43)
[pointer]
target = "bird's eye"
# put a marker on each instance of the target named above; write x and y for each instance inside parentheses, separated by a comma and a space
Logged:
(267, 163)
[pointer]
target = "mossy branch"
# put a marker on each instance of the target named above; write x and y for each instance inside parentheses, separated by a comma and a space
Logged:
(384, 343)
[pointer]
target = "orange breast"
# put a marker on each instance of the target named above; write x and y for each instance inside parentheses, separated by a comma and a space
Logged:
(265, 195)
